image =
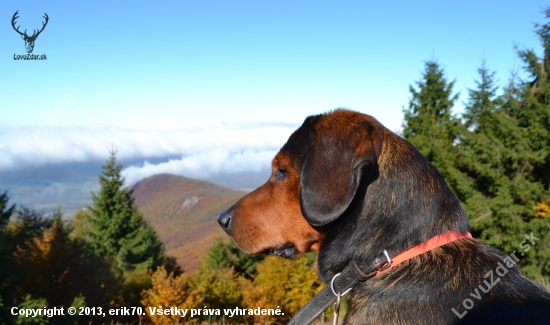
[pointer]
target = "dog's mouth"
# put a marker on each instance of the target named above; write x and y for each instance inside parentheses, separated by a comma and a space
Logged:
(286, 251)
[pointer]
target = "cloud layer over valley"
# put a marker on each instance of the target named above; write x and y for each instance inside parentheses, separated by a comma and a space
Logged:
(197, 150)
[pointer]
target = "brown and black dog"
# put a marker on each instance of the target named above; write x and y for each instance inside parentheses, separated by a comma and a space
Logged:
(347, 187)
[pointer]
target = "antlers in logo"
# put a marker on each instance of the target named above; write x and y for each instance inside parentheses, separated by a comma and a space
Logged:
(29, 40)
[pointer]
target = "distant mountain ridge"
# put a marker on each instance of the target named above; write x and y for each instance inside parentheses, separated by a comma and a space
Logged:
(183, 211)
(45, 187)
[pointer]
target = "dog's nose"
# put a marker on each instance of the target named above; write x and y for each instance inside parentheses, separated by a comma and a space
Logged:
(224, 219)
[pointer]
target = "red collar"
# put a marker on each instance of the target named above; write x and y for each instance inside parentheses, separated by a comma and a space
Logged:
(439, 240)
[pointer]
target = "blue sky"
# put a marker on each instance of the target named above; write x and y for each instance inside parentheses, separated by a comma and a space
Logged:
(137, 68)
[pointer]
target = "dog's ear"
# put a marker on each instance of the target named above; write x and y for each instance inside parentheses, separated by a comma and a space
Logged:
(336, 159)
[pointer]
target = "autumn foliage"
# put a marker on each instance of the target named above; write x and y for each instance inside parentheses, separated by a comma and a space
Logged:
(276, 283)
(170, 291)
(54, 266)
(281, 283)
(542, 209)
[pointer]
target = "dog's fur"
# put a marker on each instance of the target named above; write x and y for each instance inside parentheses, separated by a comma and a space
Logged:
(347, 187)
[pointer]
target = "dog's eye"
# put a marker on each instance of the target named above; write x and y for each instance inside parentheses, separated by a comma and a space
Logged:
(280, 174)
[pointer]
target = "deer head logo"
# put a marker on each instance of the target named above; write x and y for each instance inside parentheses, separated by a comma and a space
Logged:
(29, 40)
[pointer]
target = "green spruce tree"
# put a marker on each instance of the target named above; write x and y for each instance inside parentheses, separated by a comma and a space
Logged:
(224, 254)
(480, 150)
(481, 101)
(534, 115)
(497, 184)
(429, 123)
(118, 229)
(5, 210)
(496, 161)
(488, 161)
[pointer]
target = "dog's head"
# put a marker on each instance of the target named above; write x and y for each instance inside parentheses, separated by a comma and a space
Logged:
(347, 187)
(314, 179)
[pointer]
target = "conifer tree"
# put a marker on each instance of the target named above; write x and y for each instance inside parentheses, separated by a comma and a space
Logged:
(5, 214)
(118, 229)
(429, 123)
(487, 158)
(533, 117)
(496, 185)
(481, 101)
(30, 303)
(495, 161)
(225, 254)
(5, 211)
(480, 150)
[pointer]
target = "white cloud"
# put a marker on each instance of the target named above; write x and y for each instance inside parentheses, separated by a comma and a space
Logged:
(203, 165)
(206, 148)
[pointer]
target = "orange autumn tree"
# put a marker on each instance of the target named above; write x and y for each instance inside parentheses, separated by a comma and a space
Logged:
(53, 266)
(280, 283)
(169, 291)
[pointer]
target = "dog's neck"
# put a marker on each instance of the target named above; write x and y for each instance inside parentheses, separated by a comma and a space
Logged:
(403, 204)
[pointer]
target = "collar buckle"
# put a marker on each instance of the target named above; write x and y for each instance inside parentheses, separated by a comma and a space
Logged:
(332, 286)
(387, 263)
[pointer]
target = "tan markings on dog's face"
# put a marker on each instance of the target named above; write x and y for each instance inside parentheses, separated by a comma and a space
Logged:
(269, 219)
